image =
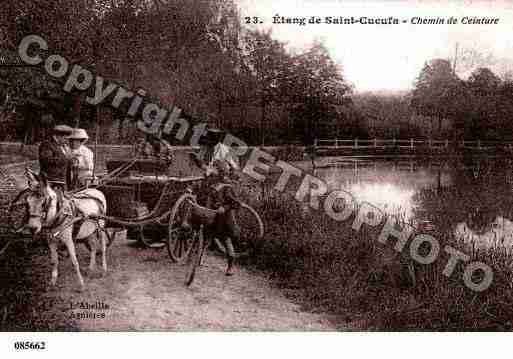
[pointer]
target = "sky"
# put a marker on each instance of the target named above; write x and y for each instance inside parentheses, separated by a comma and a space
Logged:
(390, 57)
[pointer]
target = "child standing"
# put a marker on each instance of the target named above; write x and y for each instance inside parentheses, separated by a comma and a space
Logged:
(223, 199)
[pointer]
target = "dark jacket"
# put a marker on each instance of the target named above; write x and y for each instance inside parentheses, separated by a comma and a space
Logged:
(223, 195)
(53, 162)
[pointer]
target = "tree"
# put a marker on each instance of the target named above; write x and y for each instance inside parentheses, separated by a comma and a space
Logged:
(320, 92)
(483, 86)
(437, 91)
(168, 48)
(270, 66)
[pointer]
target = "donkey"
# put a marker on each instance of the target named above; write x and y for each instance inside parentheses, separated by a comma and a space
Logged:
(57, 213)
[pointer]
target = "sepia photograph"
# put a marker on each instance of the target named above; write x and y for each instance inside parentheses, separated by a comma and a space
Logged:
(255, 166)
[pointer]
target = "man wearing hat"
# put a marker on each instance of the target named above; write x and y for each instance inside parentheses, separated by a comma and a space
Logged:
(54, 156)
(213, 148)
(82, 158)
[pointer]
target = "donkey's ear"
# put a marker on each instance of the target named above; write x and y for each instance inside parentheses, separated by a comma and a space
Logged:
(43, 181)
(32, 178)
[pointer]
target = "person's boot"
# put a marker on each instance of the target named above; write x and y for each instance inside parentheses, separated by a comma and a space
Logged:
(229, 270)
(230, 254)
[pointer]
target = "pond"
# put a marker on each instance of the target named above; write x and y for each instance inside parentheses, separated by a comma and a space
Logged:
(470, 196)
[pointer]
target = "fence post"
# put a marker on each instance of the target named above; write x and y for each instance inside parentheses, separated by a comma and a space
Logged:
(479, 144)
(411, 143)
(463, 143)
(375, 142)
(355, 143)
(393, 142)
(429, 142)
(446, 143)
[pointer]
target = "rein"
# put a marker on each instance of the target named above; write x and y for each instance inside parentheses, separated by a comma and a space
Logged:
(60, 216)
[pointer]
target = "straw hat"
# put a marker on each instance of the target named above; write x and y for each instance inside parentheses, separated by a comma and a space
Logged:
(62, 129)
(78, 134)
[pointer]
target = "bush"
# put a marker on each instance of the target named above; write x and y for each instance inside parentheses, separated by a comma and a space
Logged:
(329, 267)
(289, 153)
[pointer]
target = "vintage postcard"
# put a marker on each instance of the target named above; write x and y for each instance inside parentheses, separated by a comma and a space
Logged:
(252, 166)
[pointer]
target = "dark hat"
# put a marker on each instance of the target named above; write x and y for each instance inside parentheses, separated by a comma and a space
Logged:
(214, 136)
(63, 129)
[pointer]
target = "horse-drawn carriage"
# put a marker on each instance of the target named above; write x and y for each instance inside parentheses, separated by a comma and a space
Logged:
(142, 196)
(155, 199)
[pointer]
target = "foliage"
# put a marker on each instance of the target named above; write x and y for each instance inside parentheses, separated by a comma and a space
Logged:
(196, 54)
(478, 107)
(170, 48)
(436, 90)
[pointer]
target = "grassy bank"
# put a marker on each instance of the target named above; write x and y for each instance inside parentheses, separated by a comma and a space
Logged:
(329, 267)
(26, 304)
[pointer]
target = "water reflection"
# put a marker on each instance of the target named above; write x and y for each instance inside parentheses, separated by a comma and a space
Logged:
(471, 197)
(389, 185)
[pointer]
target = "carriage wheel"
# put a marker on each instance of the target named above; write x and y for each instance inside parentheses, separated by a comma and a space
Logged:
(145, 238)
(251, 231)
(194, 256)
(141, 238)
(180, 237)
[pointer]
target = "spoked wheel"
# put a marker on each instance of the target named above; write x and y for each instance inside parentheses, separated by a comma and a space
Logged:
(142, 237)
(194, 256)
(145, 235)
(251, 231)
(180, 231)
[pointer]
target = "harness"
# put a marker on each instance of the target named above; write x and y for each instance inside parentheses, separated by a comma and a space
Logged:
(64, 213)
(59, 216)
(67, 212)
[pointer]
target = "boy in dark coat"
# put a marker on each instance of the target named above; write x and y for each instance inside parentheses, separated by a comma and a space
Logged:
(223, 199)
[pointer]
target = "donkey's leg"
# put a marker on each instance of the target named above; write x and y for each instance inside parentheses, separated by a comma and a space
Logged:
(68, 241)
(54, 257)
(92, 240)
(103, 242)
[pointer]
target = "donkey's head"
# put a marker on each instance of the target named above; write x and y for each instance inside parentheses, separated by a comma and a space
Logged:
(41, 202)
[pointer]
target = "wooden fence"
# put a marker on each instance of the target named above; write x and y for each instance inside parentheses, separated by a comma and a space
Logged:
(410, 144)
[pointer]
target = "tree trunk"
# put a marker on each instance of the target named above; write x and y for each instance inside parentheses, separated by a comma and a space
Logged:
(77, 107)
(25, 139)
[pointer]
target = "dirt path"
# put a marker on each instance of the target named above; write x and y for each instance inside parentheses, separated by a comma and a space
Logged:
(145, 291)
